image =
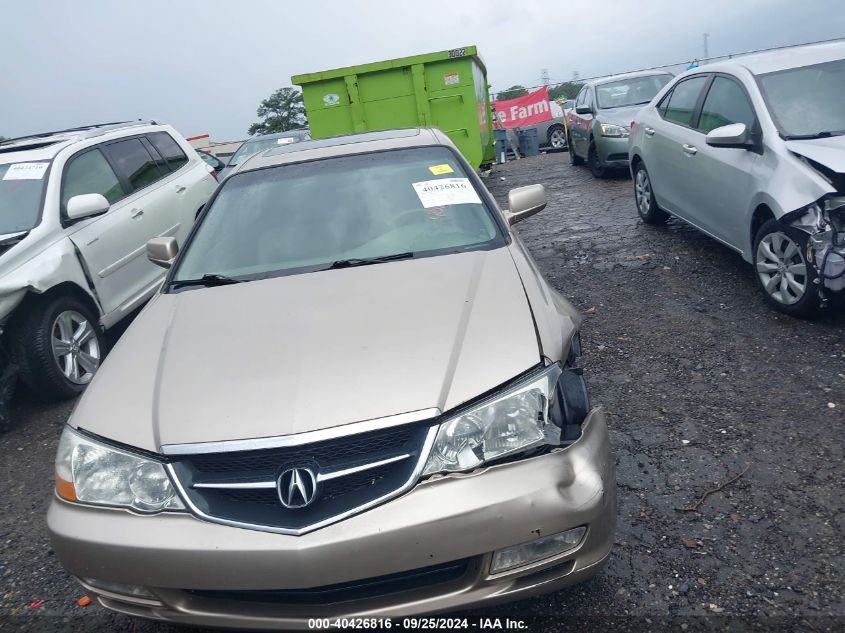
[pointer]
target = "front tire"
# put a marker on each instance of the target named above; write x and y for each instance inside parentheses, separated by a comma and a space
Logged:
(574, 159)
(58, 346)
(647, 207)
(596, 168)
(787, 280)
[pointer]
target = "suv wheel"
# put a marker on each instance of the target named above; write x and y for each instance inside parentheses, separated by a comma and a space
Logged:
(644, 197)
(596, 167)
(557, 137)
(574, 159)
(782, 272)
(59, 346)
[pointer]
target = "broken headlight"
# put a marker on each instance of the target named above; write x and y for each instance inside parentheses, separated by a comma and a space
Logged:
(507, 422)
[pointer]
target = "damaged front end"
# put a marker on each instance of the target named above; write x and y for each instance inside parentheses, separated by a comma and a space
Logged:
(824, 221)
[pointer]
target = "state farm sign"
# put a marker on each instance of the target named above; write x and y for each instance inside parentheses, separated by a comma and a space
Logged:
(525, 111)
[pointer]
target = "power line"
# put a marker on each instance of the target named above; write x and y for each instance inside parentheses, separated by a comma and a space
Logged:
(684, 63)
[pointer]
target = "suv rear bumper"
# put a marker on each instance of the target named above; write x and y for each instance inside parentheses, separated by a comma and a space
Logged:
(182, 561)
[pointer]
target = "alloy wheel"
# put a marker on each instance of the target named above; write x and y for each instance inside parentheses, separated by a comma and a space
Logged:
(557, 139)
(75, 346)
(642, 191)
(782, 268)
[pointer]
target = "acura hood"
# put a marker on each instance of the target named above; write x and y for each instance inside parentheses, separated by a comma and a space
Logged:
(829, 152)
(299, 353)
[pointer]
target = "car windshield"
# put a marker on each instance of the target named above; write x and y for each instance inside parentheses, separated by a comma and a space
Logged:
(21, 188)
(250, 148)
(807, 101)
(628, 92)
(313, 215)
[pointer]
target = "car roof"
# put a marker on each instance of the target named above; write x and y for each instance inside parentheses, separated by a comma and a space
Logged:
(269, 137)
(641, 73)
(783, 59)
(45, 145)
(344, 145)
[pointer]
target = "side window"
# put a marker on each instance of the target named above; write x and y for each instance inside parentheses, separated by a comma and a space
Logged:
(169, 149)
(726, 103)
(581, 96)
(664, 103)
(90, 172)
(681, 105)
(133, 162)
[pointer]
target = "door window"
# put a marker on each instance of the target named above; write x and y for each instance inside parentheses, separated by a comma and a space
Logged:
(169, 149)
(133, 162)
(726, 103)
(681, 105)
(90, 172)
(581, 97)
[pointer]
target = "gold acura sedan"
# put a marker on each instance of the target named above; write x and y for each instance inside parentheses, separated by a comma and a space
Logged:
(354, 396)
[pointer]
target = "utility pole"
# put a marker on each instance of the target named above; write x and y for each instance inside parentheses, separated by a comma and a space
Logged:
(575, 76)
(706, 55)
(545, 76)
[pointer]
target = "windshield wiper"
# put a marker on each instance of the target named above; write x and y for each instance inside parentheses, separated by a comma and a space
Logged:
(807, 137)
(209, 279)
(365, 261)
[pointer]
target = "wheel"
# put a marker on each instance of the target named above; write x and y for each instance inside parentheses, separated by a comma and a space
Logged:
(644, 197)
(557, 137)
(574, 159)
(596, 167)
(780, 263)
(58, 346)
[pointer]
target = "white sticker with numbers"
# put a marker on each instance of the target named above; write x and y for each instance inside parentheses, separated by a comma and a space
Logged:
(26, 171)
(445, 191)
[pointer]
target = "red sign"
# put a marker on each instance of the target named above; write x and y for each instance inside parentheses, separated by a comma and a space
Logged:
(525, 111)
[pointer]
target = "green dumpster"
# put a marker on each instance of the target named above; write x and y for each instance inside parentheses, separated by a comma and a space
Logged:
(446, 90)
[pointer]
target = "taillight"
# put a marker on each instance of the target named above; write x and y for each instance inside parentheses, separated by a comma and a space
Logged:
(214, 173)
(633, 125)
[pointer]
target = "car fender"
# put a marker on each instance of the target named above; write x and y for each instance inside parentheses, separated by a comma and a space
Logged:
(58, 263)
(555, 319)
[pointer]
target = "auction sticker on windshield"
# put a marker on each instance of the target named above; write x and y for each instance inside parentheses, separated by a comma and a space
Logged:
(444, 191)
(26, 171)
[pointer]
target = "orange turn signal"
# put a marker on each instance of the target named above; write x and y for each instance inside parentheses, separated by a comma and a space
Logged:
(65, 489)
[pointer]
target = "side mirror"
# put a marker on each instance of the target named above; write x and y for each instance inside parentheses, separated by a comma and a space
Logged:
(582, 109)
(733, 135)
(161, 251)
(86, 205)
(523, 202)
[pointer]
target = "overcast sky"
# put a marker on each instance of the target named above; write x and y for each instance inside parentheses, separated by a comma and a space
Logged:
(204, 66)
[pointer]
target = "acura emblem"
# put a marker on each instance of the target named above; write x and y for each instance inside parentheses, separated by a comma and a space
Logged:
(297, 487)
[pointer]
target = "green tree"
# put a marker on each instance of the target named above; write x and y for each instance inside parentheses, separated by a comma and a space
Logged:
(281, 111)
(566, 90)
(512, 93)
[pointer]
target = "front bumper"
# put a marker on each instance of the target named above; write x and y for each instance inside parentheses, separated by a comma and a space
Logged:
(180, 559)
(612, 151)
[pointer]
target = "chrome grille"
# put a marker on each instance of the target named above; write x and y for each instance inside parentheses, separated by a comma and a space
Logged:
(352, 473)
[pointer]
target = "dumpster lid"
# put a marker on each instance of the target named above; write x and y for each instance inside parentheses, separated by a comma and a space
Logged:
(454, 53)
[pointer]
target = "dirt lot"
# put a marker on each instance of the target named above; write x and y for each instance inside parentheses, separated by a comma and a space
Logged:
(701, 381)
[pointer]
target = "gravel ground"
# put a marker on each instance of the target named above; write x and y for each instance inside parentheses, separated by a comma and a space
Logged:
(702, 382)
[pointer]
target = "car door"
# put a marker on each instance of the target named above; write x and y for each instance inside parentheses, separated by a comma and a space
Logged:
(721, 193)
(670, 161)
(185, 191)
(574, 123)
(114, 245)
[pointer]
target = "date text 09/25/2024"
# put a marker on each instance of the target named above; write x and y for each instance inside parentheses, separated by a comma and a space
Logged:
(416, 624)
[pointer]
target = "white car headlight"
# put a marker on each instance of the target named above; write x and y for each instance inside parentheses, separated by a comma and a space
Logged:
(617, 131)
(92, 472)
(512, 420)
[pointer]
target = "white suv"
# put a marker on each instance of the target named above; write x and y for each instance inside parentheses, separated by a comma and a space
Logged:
(76, 210)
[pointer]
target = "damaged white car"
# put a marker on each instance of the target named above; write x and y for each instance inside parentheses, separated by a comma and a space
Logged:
(76, 210)
(752, 152)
